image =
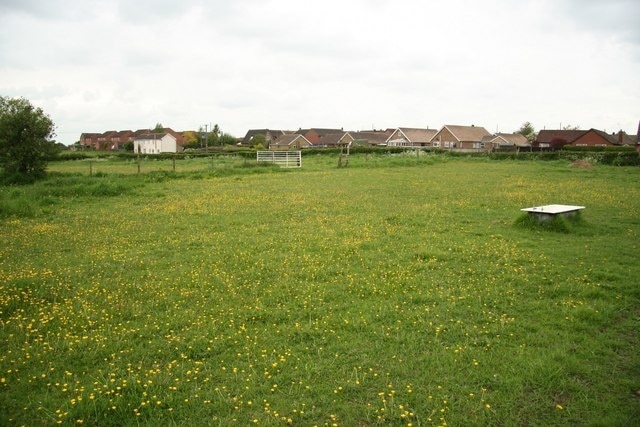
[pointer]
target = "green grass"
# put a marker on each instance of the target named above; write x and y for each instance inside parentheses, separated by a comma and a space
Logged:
(401, 290)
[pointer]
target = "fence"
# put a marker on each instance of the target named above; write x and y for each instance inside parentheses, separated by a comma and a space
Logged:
(287, 159)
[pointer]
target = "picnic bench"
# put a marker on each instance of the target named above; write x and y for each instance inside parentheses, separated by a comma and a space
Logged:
(548, 212)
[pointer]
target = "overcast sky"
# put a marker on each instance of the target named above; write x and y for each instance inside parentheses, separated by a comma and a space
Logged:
(105, 65)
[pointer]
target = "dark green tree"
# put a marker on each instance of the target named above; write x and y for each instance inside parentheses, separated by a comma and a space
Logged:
(528, 131)
(26, 134)
(212, 139)
(159, 128)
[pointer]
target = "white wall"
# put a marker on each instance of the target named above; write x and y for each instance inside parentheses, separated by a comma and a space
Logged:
(166, 144)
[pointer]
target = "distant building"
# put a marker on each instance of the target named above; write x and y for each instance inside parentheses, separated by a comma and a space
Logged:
(506, 142)
(270, 136)
(551, 139)
(314, 135)
(114, 140)
(556, 139)
(411, 137)
(290, 142)
(460, 137)
(155, 143)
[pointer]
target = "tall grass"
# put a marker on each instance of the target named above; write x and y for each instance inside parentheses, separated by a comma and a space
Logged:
(403, 294)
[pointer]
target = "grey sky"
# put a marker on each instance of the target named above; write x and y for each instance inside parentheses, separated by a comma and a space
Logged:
(284, 64)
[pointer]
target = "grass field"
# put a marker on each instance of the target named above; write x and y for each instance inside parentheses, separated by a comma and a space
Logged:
(402, 290)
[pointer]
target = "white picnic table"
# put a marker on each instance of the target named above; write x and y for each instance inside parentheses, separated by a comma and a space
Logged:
(547, 212)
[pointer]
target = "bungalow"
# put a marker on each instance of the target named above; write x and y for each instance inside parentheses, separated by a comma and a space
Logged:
(411, 137)
(290, 142)
(155, 143)
(595, 138)
(331, 140)
(555, 139)
(506, 142)
(460, 137)
(625, 139)
(371, 137)
(313, 135)
(269, 135)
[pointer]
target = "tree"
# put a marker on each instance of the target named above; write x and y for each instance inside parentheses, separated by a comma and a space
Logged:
(226, 139)
(159, 128)
(570, 127)
(259, 139)
(214, 136)
(528, 131)
(26, 134)
(190, 139)
(212, 139)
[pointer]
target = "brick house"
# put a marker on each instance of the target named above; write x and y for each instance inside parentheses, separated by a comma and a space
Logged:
(552, 139)
(313, 135)
(114, 140)
(290, 142)
(89, 140)
(370, 137)
(454, 137)
(595, 138)
(506, 142)
(411, 137)
(332, 140)
(625, 139)
(270, 136)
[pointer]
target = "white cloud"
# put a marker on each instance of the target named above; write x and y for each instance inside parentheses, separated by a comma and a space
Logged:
(95, 66)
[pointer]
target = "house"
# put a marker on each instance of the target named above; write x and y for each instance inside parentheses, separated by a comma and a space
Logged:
(625, 139)
(411, 137)
(117, 139)
(269, 135)
(550, 139)
(331, 140)
(506, 142)
(595, 138)
(105, 140)
(460, 137)
(180, 140)
(114, 140)
(290, 142)
(89, 140)
(313, 135)
(155, 143)
(370, 137)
